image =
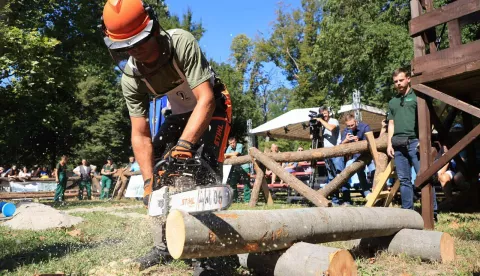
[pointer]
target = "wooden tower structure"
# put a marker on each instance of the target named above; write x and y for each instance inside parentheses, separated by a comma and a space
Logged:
(451, 76)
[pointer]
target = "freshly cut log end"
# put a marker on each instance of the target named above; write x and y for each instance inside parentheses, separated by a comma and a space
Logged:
(304, 259)
(175, 234)
(447, 248)
(341, 263)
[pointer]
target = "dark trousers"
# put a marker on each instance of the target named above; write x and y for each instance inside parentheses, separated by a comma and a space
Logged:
(405, 158)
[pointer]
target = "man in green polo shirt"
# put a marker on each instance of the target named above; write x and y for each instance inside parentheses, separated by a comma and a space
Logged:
(403, 135)
(239, 173)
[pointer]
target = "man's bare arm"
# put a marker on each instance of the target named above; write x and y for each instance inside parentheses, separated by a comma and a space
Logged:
(328, 126)
(201, 115)
(142, 145)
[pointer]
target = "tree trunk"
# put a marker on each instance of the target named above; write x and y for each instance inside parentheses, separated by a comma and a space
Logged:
(321, 153)
(345, 175)
(305, 259)
(227, 233)
(427, 245)
(293, 182)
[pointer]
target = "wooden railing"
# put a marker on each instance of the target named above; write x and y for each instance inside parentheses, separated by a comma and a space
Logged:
(436, 64)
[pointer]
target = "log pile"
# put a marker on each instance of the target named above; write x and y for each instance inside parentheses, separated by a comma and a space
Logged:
(284, 242)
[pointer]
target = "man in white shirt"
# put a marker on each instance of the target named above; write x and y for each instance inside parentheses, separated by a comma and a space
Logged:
(331, 137)
(84, 171)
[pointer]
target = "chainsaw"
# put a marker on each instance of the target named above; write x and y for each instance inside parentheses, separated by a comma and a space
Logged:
(189, 185)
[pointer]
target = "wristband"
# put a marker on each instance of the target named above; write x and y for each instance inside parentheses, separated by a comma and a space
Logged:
(185, 144)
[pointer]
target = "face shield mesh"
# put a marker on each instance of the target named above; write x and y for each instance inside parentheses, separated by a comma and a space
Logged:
(122, 51)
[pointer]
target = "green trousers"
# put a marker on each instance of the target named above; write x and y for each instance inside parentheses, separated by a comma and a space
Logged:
(85, 184)
(105, 187)
(61, 186)
(240, 175)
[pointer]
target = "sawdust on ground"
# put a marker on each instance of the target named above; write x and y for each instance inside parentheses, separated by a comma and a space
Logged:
(37, 216)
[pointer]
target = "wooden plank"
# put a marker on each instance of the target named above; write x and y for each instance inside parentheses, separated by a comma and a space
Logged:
(418, 44)
(372, 146)
(454, 34)
(425, 137)
(393, 192)
(443, 14)
(431, 33)
(459, 146)
(475, 111)
(469, 19)
(382, 179)
(455, 70)
(448, 57)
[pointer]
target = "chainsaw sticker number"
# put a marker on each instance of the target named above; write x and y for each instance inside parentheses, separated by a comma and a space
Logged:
(210, 197)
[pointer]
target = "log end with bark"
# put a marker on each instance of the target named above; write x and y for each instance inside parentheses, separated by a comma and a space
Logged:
(427, 245)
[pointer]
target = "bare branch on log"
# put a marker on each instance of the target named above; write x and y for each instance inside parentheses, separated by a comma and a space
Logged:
(260, 182)
(299, 186)
(345, 175)
(298, 156)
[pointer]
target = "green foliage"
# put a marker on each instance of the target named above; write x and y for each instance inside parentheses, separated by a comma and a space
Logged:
(60, 92)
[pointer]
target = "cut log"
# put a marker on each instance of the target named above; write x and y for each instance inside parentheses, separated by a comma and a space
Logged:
(260, 182)
(322, 153)
(300, 259)
(345, 175)
(233, 232)
(426, 245)
(304, 259)
(293, 182)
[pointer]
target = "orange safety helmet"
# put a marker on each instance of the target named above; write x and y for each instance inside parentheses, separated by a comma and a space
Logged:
(127, 23)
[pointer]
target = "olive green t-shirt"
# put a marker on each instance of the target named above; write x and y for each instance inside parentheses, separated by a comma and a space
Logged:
(403, 112)
(190, 61)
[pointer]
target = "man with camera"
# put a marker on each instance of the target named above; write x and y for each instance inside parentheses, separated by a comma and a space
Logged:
(331, 137)
(354, 132)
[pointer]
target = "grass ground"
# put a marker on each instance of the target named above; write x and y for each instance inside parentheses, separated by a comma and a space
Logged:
(106, 242)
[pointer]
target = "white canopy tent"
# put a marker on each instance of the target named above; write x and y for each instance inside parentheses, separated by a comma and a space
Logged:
(293, 125)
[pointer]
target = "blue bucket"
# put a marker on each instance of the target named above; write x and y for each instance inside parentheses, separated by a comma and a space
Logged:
(8, 209)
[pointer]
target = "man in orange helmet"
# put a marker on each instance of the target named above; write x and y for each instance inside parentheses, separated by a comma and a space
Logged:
(154, 63)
